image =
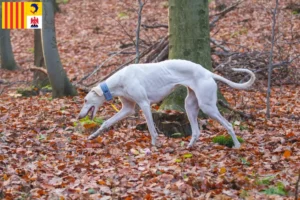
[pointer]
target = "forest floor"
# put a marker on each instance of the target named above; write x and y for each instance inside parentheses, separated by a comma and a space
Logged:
(43, 156)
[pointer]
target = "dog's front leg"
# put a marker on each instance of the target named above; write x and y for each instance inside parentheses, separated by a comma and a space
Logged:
(127, 109)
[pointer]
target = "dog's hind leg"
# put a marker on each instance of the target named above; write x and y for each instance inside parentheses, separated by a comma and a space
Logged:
(214, 113)
(207, 101)
(127, 109)
(192, 110)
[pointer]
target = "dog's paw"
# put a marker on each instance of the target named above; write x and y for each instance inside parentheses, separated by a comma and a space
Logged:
(91, 137)
(237, 146)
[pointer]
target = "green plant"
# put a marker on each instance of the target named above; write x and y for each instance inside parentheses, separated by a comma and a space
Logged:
(225, 140)
(49, 87)
(123, 15)
(86, 122)
(31, 50)
(62, 1)
(266, 180)
(245, 161)
(278, 189)
(41, 137)
(244, 194)
(28, 91)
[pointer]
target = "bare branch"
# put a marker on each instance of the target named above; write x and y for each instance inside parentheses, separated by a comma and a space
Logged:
(225, 105)
(123, 65)
(228, 9)
(218, 44)
(126, 33)
(155, 26)
(141, 5)
(221, 14)
(223, 64)
(102, 64)
(297, 187)
(40, 69)
(270, 61)
(216, 16)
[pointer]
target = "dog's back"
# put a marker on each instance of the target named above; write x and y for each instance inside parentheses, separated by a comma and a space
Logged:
(167, 72)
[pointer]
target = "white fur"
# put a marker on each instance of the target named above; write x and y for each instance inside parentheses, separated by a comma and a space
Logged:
(145, 84)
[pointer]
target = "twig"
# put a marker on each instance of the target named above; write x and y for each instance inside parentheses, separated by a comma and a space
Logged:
(216, 18)
(221, 14)
(223, 64)
(40, 69)
(247, 116)
(162, 54)
(218, 44)
(81, 87)
(10, 84)
(270, 61)
(122, 66)
(99, 66)
(124, 53)
(297, 187)
(275, 65)
(228, 9)
(155, 26)
(141, 5)
(3, 81)
(158, 48)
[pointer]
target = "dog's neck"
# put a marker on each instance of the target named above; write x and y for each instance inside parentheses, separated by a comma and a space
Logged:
(113, 84)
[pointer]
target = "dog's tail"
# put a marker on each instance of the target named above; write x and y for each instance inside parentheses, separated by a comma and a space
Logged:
(237, 85)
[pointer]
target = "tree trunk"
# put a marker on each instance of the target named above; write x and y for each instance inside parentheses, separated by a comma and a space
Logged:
(7, 56)
(61, 86)
(39, 79)
(55, 6)
(189, 40)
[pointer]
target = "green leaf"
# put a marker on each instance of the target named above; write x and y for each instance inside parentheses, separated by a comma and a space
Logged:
(123, 15)
(182, 143)
(266, 180)
(178, 160)
(187, 155)
(279, 189)
(91, 191)
(245, 161)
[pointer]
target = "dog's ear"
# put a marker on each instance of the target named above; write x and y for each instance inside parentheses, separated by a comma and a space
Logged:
(97, 90)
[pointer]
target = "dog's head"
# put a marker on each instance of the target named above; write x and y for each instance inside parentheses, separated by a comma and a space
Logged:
(92, 101)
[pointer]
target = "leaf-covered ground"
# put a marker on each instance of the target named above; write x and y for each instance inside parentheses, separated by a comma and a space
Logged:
(44, 156)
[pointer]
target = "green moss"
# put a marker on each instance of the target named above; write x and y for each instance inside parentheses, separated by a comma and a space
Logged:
(29, 91)
(48, 87)
(177, 135)
(225, 140)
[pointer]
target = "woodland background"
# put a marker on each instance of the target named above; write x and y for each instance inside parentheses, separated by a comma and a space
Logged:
(44, 153)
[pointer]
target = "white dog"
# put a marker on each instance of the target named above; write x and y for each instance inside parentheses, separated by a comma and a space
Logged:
(145, 84)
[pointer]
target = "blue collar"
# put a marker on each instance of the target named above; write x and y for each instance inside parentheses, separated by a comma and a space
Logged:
(106, 91)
